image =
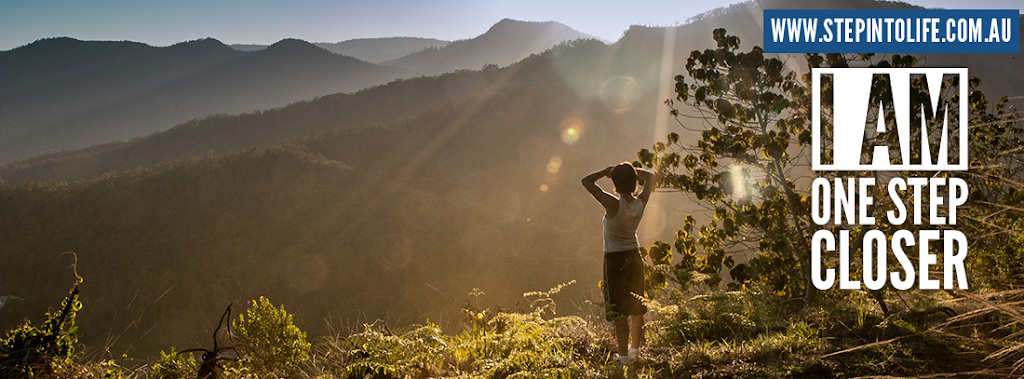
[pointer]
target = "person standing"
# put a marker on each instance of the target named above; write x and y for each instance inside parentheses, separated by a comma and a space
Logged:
(623, 265)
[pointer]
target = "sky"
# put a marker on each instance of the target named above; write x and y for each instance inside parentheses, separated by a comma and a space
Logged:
(163, 23)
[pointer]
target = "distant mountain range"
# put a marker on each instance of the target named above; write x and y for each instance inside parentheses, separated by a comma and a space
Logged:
(504, 43)
(62, 93)
(373, 50)
(154, 85)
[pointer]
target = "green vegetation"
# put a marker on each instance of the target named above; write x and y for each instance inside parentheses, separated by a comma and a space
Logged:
(271, 343)
(30, 350)
(744, 171)
(740, 334)
(755, 133)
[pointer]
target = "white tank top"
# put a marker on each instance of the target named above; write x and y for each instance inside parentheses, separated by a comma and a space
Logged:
(620, 231)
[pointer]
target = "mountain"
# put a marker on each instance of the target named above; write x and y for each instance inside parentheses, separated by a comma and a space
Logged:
(248, 47)
(504, 43)
(357, 223)
(44, 83)
(63, 93)
(395, 102)
(373, 50)
(58, 94)
(377, 50)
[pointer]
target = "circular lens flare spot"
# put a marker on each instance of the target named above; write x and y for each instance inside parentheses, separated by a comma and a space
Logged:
(572, 130)
(543, 188)
(619, 93)
(554, 165)
(570, 135)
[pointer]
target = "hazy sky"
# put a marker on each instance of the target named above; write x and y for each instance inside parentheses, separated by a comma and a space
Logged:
(161, 22)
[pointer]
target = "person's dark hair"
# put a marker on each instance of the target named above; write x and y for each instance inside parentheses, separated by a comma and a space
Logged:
(624, 177)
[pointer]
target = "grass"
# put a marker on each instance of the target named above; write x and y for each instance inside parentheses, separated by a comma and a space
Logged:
(510, 346)
(709, 335)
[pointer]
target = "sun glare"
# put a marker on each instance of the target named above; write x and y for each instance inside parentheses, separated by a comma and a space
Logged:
(739, 188)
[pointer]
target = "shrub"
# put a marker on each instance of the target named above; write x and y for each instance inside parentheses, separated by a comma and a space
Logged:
(495, 344)
(29, 350)
(271, 343)
(174, 366)
(710, 317)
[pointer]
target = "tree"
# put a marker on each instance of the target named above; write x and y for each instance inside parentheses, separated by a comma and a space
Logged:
(754, 117)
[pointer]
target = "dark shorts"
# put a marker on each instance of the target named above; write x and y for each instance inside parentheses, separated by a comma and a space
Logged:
(623, 277)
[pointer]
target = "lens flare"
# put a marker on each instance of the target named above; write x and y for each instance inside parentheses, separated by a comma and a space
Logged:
(619, 93)
(739, 187)
(543, 188)
(571, 135)
(554, 165)
(572, 130)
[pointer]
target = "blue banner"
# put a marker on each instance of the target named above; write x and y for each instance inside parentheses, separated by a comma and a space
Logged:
(891, 31)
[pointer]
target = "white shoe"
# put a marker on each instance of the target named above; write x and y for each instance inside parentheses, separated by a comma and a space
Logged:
(633, 353)
(625, 360)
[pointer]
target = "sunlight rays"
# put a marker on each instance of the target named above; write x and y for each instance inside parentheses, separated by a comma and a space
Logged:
(668, 54)
(385, 185)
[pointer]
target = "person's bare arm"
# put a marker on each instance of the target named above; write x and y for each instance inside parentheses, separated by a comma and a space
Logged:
(606, 199)
(650, 179)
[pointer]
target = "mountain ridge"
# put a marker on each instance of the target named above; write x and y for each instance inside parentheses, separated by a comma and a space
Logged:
(138, 89)
(501, 44)
(377, 50)
(373, 50)
(86, 95)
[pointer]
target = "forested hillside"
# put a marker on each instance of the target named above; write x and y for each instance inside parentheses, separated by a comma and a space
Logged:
(350, 225)
(394, 102)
